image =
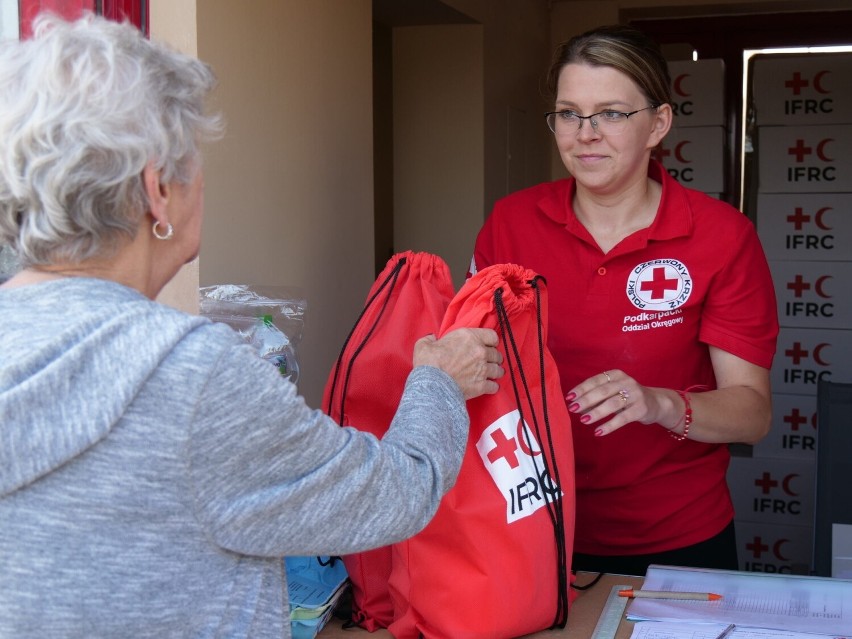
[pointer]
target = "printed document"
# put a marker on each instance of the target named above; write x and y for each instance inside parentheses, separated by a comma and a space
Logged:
(803, 604)
(684, 630)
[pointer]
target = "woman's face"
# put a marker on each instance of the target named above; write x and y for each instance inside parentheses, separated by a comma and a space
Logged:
(603, 162)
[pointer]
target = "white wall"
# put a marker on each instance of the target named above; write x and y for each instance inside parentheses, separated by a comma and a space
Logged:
(289, 191)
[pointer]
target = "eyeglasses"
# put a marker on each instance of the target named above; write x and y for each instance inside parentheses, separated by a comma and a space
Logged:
(605, 122)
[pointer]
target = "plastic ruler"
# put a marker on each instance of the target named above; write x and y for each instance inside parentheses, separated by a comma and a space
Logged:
(611, 615)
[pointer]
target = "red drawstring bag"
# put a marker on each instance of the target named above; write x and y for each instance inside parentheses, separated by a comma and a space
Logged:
(406, 302)
(495, 560)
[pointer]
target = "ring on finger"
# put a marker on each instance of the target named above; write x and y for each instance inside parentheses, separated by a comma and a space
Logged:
(624, 395)
(608, 378)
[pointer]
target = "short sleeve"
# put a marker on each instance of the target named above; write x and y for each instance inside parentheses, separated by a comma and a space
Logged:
(740, 314)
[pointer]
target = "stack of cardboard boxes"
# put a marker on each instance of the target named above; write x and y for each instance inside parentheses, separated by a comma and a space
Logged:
(803, 113)
(694, 151)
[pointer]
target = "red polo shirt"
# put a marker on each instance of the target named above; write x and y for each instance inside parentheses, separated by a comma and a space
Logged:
(651, 306)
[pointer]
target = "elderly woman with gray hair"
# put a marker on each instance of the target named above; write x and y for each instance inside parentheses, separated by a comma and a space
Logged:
(153, 469)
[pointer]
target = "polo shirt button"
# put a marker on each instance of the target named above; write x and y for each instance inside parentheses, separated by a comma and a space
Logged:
(602, 270)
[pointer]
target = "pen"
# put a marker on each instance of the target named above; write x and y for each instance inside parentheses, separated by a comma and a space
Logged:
(726, 632)
(669, 594)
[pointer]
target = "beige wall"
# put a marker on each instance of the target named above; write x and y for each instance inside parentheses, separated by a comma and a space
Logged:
(174, 22)
(480, 134)
(289, 192)
(438, 137)
(517, 51)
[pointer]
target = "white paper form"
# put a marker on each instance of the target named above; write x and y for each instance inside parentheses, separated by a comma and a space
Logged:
(814, 605)
(683, 630)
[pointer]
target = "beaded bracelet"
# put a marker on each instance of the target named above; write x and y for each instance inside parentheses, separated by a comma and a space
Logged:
(686, 419)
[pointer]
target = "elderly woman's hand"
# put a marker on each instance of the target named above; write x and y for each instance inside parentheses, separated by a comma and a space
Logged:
(468, 355)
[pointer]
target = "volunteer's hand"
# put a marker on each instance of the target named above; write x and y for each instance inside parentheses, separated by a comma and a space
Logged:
(614, 394)
(468, 355)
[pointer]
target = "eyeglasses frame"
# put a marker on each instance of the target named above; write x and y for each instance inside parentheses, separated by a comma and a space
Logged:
(594, 123)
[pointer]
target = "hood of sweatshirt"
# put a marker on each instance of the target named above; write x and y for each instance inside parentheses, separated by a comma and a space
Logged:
(74, 353)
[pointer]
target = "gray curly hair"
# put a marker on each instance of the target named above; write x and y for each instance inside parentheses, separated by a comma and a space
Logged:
(84, 107)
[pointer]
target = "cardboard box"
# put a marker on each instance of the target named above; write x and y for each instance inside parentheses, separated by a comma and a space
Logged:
(793, 434)
(804, 159)
(772, 491)
(698, 92)
(805, 226)
(695, 157)
(774, 548)
(806, 355)
(803, 89)
(813, 294)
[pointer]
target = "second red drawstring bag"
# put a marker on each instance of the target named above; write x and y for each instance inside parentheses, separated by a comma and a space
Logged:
(407, 301)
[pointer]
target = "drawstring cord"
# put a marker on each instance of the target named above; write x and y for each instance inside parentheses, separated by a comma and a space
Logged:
(391, 279)
(562, 551)
(356, 617)
(551, 469)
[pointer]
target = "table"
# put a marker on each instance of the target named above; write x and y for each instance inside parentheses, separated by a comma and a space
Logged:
(582, 616)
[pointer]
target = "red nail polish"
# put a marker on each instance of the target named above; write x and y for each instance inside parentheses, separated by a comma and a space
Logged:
(585, 419)
(573, 408)
(570, 396)
(599, 432)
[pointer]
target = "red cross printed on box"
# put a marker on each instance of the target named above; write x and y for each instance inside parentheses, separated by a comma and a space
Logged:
(797, 83)
(766, 483)
(797, 353)
(800, 150)
(757, 547)
(799, 218)
(798, 286)
(795, 419)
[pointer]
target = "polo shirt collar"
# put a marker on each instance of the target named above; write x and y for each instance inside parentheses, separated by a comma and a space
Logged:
(674, 216)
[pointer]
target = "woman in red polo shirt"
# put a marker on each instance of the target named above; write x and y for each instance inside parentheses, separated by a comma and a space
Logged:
(662, 314)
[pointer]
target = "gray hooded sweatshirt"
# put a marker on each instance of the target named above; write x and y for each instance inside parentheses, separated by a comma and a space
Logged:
(154, 470)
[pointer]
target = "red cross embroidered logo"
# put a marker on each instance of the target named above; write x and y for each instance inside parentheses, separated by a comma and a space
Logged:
(659, 285)
(513, 458)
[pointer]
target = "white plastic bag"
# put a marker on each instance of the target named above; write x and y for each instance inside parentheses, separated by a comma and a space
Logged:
(269, 318)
